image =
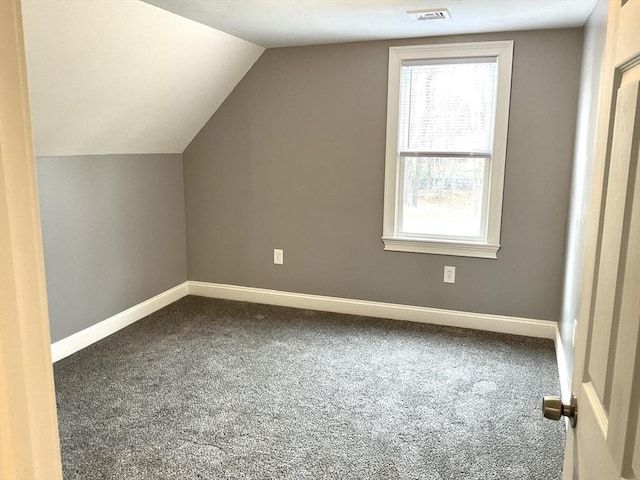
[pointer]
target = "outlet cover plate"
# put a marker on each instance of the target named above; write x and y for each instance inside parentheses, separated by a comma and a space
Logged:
(449, 274)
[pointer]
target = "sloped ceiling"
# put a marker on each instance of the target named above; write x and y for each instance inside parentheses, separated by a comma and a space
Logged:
(123, 76)
(278, 23)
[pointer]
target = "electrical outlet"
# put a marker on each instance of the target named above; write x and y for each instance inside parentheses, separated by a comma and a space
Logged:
(278, 256)
(449, 274)
(575, 327)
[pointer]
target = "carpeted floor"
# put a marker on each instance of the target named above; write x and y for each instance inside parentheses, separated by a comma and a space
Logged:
(214, 389)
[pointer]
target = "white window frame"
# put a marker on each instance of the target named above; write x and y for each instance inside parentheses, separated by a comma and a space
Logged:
(489, 246)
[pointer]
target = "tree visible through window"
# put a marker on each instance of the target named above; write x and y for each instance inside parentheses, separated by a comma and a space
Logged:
(443, 196)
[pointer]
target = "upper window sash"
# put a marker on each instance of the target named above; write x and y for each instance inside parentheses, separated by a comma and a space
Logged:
(431, 93)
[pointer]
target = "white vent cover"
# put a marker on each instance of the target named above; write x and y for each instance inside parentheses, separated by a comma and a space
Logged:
(429, 14)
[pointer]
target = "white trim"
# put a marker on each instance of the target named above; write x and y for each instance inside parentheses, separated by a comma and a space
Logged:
(563, 372)
(476, 321)
(394, 311)
(73, 343)
(503, 52)
(593, 400)
(460, 249)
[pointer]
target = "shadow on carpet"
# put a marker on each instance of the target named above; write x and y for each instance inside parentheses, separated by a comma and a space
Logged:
(215, 389)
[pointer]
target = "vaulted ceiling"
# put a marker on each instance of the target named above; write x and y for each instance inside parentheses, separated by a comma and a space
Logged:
(123, 76)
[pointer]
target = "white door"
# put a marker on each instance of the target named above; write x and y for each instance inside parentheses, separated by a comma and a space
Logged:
(605, 445)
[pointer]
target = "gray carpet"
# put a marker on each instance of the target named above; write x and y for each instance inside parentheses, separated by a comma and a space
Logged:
(214, 389)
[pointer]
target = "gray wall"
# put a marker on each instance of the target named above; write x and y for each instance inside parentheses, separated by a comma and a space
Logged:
(294, 159)
(593, 52)
(113, 231)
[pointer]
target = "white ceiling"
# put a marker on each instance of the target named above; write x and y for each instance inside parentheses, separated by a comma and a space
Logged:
(277, 23)
(122, 76)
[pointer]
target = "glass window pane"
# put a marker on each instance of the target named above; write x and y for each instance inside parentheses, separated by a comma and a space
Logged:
(443, 196)
(447, 107)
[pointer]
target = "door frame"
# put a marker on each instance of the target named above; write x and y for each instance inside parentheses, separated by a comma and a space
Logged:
(29, 444)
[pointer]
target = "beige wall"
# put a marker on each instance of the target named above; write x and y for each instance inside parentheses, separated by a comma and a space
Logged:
(294, 159)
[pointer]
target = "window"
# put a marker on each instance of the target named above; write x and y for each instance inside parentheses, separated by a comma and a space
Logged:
(447, 117)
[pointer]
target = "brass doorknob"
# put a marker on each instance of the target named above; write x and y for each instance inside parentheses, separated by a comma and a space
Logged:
(554, 409)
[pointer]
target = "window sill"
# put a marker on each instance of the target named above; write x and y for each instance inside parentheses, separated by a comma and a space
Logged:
(460, 249)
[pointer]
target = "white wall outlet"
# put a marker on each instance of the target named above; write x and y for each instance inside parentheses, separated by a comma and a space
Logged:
(449, 274)
(575, 327)
(278, 256)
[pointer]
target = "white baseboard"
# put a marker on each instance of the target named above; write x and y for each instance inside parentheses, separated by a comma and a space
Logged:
(563, 373)
(477, 321)
(67, 346)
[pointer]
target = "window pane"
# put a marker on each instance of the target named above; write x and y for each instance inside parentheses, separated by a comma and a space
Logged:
(443, 196)
(447, 107)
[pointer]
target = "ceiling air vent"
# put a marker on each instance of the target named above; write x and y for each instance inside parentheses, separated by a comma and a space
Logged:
(429, 14)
